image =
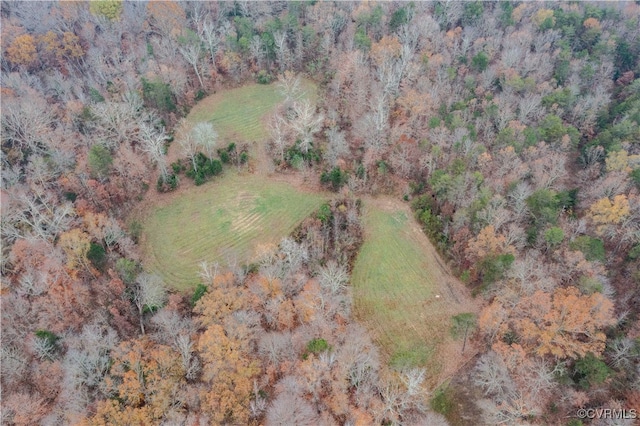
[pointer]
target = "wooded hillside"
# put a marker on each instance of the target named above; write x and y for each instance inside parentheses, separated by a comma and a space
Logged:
(511, 128)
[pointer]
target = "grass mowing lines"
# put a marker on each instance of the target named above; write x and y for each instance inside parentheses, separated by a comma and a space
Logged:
(396, 279)
(235, 214)
(239, 113)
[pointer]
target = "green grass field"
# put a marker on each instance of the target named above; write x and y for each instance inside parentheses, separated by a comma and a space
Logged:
(401, 292)
(238, 114)
(236, 214)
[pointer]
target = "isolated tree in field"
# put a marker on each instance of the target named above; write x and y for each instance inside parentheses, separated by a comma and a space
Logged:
(462, 325)
(205, 136)
(149, 294)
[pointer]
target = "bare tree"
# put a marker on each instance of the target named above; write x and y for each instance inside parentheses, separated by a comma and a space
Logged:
(529, 108)
(205, 136)
(190, 363)
(290, 87)
(306, 123)
(539, 378)
(192, 53)
(491, 374)
(413, 380)
(153, 143)
(86, 364)
(258, 403)
(211, 37)
(256, 47)
(188, 146)
(14, 363)
(26, 122)
(276, 347)
(41, 216)
(116, 122)
(374, 126)
(43, 348)
(295, 254)
(337, 145)
(208, 271)
(359, 358)
(333, 277)
(621, 353)
(149, 293)
(282, 50)
(291, 409)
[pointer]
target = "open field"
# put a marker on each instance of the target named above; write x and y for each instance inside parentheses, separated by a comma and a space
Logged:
(238, 114)
(234, 215)
(403, 293)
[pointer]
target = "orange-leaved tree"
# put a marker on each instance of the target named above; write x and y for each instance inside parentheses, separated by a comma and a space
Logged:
(224, 348)
(22, 51)
(606, 213)
(147, 379)
(563, 324)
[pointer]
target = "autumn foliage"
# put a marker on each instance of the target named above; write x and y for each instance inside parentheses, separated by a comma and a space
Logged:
(511, 129)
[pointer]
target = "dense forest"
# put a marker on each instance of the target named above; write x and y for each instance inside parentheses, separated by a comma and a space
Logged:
(512, 129)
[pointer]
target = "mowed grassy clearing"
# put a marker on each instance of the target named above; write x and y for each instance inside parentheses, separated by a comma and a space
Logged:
(234, 216)
(239, 114)
(402, 293)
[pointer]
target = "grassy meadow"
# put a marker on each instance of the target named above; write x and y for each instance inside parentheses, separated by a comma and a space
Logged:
(237, 216)
(239, 114)
(401, 292)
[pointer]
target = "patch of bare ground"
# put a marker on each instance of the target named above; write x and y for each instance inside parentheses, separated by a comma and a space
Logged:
(463, 394)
